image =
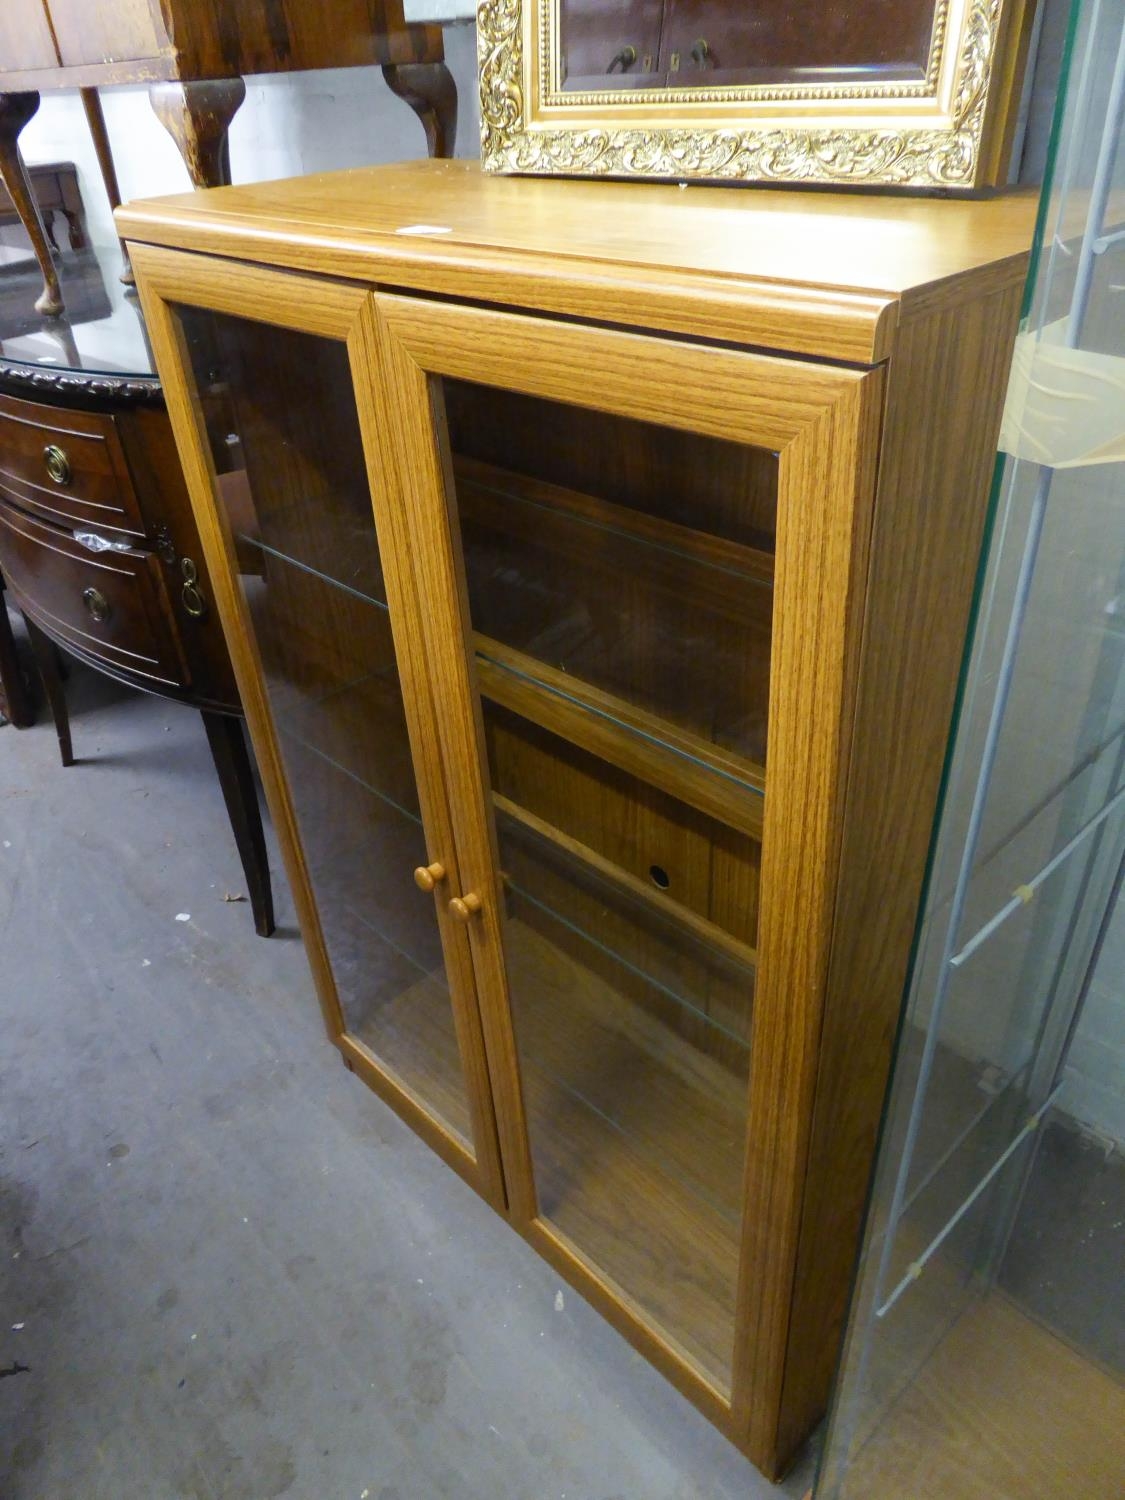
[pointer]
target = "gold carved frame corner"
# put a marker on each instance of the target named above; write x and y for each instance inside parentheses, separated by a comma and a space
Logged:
(951, 131)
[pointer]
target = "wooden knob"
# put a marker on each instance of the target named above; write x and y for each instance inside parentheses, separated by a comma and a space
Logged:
(427, 876)
(464, 907)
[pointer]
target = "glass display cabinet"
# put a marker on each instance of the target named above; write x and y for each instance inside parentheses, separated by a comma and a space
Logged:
(599, 649)
(986, 1348)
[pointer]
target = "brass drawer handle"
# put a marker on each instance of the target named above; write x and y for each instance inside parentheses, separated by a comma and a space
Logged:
(427, 876)
(465, 907)
(58, 465)
(191, 595)
(97, 605)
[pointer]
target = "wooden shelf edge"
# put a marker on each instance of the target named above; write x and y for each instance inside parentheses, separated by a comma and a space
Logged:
(712, 780)
(699, 926)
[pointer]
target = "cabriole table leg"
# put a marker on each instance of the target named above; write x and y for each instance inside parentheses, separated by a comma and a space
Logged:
(15, 111)
(197, 115)
(430, 91)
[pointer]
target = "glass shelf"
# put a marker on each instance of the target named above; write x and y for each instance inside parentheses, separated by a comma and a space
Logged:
(338, 549)
(336, 765)
(243, 541)
(672, 623)
(694, 974)
(329, 665)
(701, 873)
(716, 782)
(705, 484)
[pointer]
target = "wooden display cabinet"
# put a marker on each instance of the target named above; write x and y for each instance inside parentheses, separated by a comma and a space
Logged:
(615, 599)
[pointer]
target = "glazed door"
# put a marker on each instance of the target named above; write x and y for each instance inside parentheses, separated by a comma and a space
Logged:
(638, 561)
(272, 414)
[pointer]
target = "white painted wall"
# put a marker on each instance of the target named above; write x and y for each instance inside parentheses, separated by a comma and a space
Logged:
(439, 10)
(290, 124)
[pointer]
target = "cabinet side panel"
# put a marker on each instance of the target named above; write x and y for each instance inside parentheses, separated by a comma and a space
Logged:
(948, 374)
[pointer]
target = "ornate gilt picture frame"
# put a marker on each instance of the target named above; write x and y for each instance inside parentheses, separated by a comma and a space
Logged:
(950, 130)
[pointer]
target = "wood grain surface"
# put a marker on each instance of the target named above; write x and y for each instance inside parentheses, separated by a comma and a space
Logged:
(1001, 1410)
(816, 273)
(822, 560)
(625, 921)
(945, 390)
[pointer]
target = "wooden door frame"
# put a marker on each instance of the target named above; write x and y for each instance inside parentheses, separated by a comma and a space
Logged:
(823, 423)
(344, 313)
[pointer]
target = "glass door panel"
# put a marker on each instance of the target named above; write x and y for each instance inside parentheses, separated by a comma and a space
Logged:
(621, 564)
(291, 478)
(619, 580)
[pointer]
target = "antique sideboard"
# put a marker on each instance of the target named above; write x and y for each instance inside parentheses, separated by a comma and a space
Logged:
(98, 546)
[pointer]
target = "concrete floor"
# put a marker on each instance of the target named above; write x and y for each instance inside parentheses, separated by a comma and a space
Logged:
(227, 1271)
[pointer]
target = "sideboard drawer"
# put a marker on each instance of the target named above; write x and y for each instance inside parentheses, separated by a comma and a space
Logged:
(110, 605)
(67, 466)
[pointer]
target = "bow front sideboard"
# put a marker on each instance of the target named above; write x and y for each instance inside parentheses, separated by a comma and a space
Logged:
(98, 545)
(596, 561)
(193, 55)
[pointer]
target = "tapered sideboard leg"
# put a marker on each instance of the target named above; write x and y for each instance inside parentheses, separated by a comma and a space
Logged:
(46, 659)
(197, 116)
(430, 91)
(240, 793)
(15, 111)
(15, 701)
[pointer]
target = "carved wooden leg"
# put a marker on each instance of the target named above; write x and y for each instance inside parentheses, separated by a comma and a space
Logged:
(76, 230)
(92, 104)
(15, 701)
(197, 116)
(236, 777)
(43, 649)
(430, 91)
(15, 111)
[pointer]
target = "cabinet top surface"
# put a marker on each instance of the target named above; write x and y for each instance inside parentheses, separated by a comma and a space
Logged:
(845, 257)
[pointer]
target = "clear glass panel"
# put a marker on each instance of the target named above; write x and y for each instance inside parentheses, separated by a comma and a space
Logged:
(623, 564)
(619, 580)
(285, 439)
(987, 1339)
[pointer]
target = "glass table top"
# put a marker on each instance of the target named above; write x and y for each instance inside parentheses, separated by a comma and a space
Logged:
(100, 333)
